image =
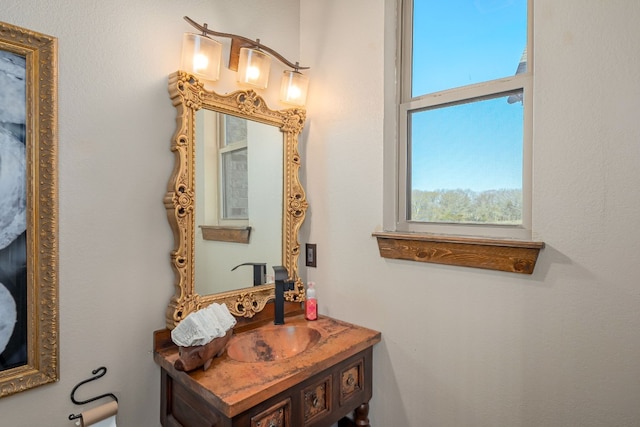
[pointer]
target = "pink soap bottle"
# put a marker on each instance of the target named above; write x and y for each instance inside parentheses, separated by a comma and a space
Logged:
(311, 303)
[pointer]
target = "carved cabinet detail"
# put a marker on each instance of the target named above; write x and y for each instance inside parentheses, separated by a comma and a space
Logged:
(278, 415)
(310, 403)
(351, 380)
(317, 399)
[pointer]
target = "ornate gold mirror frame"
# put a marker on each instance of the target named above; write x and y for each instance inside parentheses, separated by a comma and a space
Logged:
(36, 327)
(188, 95)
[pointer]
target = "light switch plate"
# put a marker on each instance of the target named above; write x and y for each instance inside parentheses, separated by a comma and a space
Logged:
(311, 255)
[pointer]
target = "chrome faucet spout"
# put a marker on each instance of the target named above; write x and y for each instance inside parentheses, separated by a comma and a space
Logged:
(282, 284)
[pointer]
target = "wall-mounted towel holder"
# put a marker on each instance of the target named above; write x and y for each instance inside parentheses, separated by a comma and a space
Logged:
(97, 373)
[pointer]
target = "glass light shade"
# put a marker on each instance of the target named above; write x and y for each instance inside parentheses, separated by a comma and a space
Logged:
(293, 89)
(201, 56)
(253, 68)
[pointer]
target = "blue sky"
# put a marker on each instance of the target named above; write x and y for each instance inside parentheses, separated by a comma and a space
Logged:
(456, 43)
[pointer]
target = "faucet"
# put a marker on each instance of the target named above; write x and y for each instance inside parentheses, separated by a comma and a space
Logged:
(259, 271)
(281, 276)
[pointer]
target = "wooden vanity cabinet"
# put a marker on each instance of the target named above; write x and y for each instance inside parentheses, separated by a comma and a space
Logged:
(319, 401)
(316, 388)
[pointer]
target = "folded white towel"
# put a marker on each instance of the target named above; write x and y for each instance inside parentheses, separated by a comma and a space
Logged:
(189, 332)
(225, 318)
(202, 326)
(210, 322)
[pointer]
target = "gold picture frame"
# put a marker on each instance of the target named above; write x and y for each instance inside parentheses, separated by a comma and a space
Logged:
(35, 55)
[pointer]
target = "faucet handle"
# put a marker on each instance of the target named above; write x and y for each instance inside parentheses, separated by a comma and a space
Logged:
(280, 273)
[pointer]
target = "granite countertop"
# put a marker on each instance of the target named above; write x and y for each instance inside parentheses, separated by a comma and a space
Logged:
(233, 387)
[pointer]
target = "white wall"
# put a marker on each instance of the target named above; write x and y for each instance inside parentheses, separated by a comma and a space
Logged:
(115, 127)
(467, 347)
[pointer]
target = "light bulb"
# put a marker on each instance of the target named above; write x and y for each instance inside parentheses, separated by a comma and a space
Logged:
(200, 62)
(253, 73)
(294, 92)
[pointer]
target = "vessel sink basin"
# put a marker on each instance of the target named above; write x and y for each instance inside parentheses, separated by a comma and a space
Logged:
(273, 343)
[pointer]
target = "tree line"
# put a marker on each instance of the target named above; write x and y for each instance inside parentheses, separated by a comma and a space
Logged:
(466, 206)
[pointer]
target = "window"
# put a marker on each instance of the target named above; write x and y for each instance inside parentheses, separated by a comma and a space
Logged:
(458, 134)
(234, 171)
(464, 119)
(222, 163)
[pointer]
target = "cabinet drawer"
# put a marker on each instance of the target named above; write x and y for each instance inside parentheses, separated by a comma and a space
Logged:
(316, 400)
(351, 380)
(278, 415)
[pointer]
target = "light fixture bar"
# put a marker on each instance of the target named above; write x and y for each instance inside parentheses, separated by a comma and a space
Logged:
(238, 42)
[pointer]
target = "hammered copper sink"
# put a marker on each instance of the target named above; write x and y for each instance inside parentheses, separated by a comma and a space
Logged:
(269, 344)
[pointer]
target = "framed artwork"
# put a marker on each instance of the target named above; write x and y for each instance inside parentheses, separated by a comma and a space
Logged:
(28, 210)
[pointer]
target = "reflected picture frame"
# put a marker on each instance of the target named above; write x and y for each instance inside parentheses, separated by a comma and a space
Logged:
(30, 59)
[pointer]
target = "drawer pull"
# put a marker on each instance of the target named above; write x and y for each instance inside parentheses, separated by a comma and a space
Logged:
(351, 381)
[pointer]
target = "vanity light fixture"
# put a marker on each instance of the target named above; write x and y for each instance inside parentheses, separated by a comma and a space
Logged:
(201, 56)
(252, 61)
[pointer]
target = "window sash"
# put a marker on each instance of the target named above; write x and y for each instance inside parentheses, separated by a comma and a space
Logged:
(408, 104)
(231, 139)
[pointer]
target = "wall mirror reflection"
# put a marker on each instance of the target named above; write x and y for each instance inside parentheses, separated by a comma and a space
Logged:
(239, 176)
(234, 200)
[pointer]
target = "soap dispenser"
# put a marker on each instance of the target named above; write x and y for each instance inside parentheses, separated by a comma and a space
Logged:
(311, 303)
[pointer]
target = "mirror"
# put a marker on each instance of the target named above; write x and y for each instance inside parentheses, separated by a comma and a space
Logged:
(239, 176)
(198, 108)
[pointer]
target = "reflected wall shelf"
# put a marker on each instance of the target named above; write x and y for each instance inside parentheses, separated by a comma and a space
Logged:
(226, 234)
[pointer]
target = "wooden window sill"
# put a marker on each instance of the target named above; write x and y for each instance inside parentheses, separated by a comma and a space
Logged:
(226, 234)
(515, 256)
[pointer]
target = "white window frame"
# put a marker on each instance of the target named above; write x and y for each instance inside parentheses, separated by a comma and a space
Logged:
(225, 147)
(399, 104)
